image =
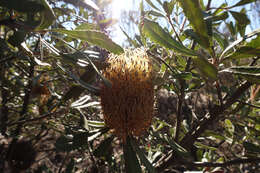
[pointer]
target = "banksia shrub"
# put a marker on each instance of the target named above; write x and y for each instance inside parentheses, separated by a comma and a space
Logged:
(127, 105)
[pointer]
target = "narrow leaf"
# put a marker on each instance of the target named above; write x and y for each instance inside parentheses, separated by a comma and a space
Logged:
(87, 26)
(193, 12)
(251, 74)
(103, 149)
(243, 2)
(207, 69)
(168, 7)
(249, 50)
(93, 37)
(219, 17)
(91, 4)
(241, 20)
(143, 158)
(152, 5)
(131, 162)
(221, 41)
(239, 41)
(154, 31)
(251, 147)
(47, 16)
(85, 85)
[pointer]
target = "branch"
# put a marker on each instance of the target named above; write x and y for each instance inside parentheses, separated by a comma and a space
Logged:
(38, 118)
(170, 21)
(251, 105)
(211, 117)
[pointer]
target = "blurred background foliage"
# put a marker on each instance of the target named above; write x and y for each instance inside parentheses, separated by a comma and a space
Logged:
(206, 59)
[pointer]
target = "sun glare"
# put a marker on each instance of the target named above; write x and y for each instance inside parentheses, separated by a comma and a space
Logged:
(119, 5)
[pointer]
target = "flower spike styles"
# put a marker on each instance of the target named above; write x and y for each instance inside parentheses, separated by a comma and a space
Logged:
(128, 105)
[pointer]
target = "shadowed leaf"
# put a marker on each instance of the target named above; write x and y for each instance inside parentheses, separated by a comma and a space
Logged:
(93, 37)
(195, 17)
(131, 162)
(47, 16)
(143, 158)
(249, 50)
(154, 31)
(251, 74)
(207, 69)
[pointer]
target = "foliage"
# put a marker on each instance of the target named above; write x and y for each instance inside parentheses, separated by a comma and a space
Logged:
(207, 84)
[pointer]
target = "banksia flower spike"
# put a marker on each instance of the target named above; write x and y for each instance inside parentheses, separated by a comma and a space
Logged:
(128, 104)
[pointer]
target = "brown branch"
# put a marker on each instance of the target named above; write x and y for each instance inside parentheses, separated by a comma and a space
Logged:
(179, 111)
(251, 105)
(214, 113)
(211, 117)
(170, 21)
(38, 118)
(208, 5)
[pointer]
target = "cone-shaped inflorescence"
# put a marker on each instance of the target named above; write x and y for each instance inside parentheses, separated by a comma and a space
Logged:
(128, 105)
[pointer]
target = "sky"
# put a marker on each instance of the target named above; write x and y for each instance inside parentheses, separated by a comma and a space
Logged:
(119, 5)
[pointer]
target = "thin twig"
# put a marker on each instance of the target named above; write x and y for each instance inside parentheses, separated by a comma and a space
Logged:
(179, 111)
(208, 5)
(38, 118)
(251, 105)
(170, 21)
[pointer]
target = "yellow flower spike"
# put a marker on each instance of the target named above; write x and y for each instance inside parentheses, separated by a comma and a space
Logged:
(128, 105)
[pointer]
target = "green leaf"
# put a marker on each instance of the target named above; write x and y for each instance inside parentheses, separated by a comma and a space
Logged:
(70, 166)
(229, 126)
(183, 76)
(143, 158)
(154, 31)
(155, 13)
(219, 17)
(207, 69)
(80, 82)
(131, 162)
(152, 5)
(249, 50)
(47, 16)
(175, 146)
(179, 149)
(96, 124)
(235, 43)
(62, 144)
(243, 2)
(253, 148)
(103, 149)
(241, 20)
(80, 140)
(87, 26)
(17, 38)
(203, 146)
(93, 37)
(193, 35)
(193, 12)
(251, 74)
(221, 41)
(168, 7)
